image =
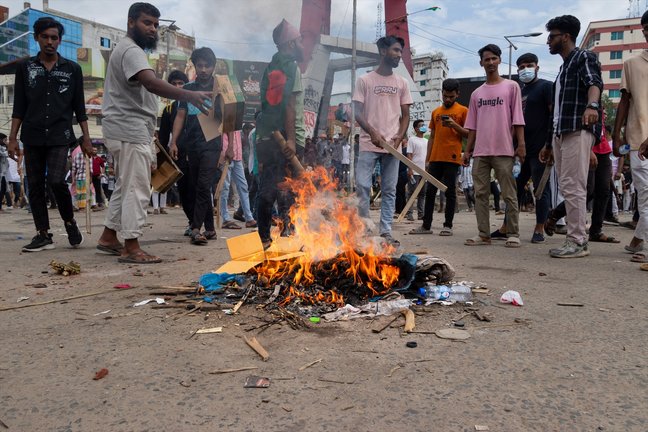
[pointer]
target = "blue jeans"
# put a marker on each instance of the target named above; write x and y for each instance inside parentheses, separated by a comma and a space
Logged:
(237, 171)
(388, 178)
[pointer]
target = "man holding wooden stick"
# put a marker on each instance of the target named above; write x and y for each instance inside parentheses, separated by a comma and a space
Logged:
(281, 118)
(382, 103)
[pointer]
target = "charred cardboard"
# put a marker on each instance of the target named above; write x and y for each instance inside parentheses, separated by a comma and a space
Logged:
(226, 114)
(246, 251)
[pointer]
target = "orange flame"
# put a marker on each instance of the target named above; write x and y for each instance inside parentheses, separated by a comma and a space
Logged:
(329, 227)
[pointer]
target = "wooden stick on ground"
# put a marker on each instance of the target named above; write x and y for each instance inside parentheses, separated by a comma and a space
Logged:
(60, 300)
(390, 322)
(224, 371)
(306, 366)
(256, 346)
(410, 202)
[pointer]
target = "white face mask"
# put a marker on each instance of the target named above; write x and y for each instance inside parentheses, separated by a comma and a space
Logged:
(527, 75)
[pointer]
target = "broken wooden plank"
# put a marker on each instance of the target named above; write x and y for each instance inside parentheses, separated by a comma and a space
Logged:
(210, 330)
(409, 320)
(256, 346)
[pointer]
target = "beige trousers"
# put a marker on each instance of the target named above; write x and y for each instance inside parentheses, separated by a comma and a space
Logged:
(572, 155)
(127, 207)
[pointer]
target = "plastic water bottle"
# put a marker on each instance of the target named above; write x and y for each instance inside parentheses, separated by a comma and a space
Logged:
(435, 292)
(460, 293)
(624, 149)
(517, 167)
(455, 293)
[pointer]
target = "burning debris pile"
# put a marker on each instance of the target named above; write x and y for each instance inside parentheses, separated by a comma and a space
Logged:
(338, 261)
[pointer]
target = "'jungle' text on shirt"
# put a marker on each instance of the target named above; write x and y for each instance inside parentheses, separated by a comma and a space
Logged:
(490, 102)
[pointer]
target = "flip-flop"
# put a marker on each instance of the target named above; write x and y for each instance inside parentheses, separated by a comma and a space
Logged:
(477, 241)
(198, 239)
(640, 257)
(603, 238)
(110, 250)
(231, 225)
(421, 230)
(445, 232)
(512, 242)
(139, 258)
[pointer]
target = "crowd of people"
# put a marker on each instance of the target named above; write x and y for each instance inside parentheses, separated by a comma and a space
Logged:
(508, 140)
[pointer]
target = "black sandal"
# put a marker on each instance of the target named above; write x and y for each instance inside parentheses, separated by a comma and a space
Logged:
(210, 235)
(602, 238)
(198, 239)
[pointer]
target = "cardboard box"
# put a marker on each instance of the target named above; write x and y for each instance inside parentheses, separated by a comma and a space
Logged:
(227, 110)
(166, 173)
(246, 251)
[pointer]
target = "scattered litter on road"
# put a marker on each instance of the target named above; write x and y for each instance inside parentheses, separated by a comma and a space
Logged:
(157, 300)
(512, 297)
(3, 424)
(71, 268)
(452, 333)
(122, 286)
(315, 320)
(481, 428)
(185, 384)
(21, 299)
(411, 344)
(570, 304)
(101, 313)
(100, 374)
(36, 285)
(254, 381)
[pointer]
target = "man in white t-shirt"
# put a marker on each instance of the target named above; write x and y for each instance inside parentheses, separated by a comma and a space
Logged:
(416, 151)
(382, 103)
(130, 110)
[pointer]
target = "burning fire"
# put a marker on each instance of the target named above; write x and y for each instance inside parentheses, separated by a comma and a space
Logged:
(334, 243)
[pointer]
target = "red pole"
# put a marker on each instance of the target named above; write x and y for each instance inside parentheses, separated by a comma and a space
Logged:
(396, 25)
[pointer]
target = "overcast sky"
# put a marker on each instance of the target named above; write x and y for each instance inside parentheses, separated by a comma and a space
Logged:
(242, 29)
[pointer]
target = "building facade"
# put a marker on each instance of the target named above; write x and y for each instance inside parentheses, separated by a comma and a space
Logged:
(429, 72)
(614, 41)
(86, 42)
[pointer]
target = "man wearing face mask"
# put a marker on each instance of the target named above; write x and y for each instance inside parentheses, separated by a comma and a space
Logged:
(444, 155)
(416, 151)
(537, 103)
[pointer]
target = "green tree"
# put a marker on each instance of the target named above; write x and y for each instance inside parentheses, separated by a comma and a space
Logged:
(610, 110)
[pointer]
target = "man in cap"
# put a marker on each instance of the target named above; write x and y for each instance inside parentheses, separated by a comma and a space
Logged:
(282, 109)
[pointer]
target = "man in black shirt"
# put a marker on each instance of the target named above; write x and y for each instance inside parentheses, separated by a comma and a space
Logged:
(202, 155)
(48, 91)
(537, 101)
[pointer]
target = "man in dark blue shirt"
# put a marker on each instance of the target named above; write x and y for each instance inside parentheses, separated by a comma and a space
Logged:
(48, 92)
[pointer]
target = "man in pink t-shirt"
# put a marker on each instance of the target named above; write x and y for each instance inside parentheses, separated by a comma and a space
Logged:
(495, 110)
(382, 100)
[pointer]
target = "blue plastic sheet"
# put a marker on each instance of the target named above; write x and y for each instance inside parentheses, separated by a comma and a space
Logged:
(216, 282)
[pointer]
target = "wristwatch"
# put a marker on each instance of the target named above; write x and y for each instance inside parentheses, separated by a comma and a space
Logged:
(594, 106)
